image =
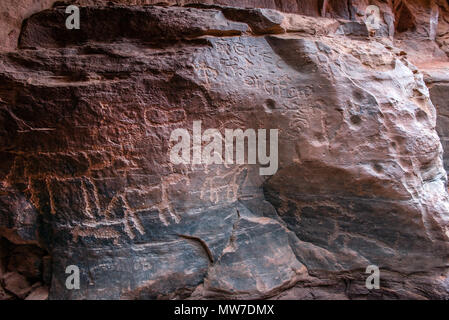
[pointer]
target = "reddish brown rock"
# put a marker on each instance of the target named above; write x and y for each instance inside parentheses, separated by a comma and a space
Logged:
(87, 118)
(4, 295)
(27, 260)
(16, 284)
(405, 20)
(18, 217)
(39, 293)
(409, 18)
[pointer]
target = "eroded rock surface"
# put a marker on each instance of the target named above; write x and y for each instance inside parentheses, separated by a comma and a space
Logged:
(86, 120)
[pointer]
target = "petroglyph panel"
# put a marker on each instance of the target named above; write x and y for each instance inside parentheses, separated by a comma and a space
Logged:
(250, 64)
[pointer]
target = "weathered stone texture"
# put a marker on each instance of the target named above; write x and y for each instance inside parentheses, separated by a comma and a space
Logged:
(86, 118)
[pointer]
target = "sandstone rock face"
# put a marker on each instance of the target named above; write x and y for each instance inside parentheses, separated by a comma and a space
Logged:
(17, 284)
(86, 177)
(405, 18)
(40, 293)
(437, 79)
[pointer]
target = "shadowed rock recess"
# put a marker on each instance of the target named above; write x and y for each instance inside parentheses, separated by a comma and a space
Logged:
(86, 179)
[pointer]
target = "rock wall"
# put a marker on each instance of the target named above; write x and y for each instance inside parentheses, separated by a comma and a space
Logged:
(86, 177)
(407, 18)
